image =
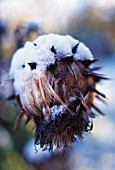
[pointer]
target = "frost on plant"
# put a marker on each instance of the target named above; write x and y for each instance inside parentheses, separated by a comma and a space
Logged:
(55, 87)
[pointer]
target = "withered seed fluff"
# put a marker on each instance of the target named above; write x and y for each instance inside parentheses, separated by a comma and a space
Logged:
(59, 99)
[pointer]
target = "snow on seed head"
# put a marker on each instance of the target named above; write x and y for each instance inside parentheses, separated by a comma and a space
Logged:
(46, 49)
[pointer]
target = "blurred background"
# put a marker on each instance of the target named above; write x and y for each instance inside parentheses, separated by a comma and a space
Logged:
(92, 22)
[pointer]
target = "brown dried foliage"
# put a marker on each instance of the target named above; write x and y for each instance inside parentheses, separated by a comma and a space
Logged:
(68, 83)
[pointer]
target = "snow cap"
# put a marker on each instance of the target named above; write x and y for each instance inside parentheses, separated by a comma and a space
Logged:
(45, 50)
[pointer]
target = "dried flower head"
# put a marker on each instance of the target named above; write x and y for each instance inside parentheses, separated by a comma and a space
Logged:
(55, 86)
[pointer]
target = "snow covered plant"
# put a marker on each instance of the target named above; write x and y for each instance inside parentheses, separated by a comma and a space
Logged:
(55, 87)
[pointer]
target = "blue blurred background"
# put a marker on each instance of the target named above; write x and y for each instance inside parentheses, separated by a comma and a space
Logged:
(92, 22)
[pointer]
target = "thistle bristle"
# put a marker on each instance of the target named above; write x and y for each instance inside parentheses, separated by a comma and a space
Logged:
(98, 110)
(18, 118)
(101, 99)
(26, 121)
(95, 68)
(87, 63)
(81, 98)
(98, 92)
